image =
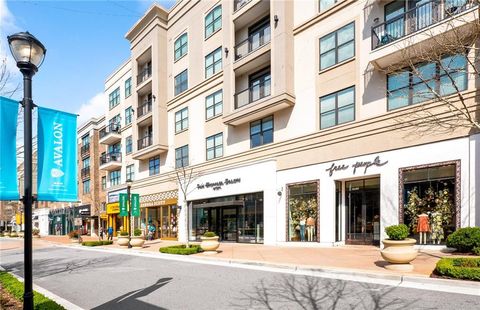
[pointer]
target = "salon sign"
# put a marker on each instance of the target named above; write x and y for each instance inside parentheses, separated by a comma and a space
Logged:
(357, 166)
(217, 185)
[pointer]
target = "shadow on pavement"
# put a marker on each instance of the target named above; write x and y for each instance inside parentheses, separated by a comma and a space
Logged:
(293, 292)
(131, 300)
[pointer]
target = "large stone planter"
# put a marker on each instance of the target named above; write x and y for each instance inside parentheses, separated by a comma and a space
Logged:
(399, 253)
(122, 240)
(137, 241)
(210, 244)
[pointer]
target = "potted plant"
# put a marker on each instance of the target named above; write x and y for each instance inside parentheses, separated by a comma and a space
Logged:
(137, 239)
(73, 235)
(209, 242)
(398, 249)
(35, 232)
(122, 238)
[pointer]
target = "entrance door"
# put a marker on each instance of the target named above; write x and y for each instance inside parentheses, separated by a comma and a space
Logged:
(229, 224)
(363, 211)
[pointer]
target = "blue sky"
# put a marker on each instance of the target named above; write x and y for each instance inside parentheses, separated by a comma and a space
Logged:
(85, 42)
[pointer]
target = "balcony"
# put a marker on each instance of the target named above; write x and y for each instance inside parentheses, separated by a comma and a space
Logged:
(144, 111)
(111, 161)
(253, 93)
(144, 75)
(253, 43)
(110, 134)
(85, 150)
(146, 148)
(418, 26)
(85, 173)
(238, 4)
(246, 11)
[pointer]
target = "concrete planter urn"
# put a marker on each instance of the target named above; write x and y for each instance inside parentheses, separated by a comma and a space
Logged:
(122, 240)
(209, 244)
(137, 241)
(398, 249)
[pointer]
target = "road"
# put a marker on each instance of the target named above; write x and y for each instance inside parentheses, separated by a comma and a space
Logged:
(100, 280)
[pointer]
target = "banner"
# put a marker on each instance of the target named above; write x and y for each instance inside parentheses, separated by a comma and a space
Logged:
(135, 205)
(123, 204)
(8, 149)
(57, 156)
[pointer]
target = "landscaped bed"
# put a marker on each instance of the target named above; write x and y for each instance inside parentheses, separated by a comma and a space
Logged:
(14, 289)
(181, 249)
(464, 268)
(97, 243)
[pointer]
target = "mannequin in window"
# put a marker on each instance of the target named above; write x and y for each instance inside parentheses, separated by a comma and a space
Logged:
(423, 227)
(310, 228)
(302, 229)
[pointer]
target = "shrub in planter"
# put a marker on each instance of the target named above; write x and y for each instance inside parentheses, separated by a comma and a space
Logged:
(35, 231)
(124, 233)
(476, 250)
(209, 234)
(137, 232)
(97, 243)
(73, 234)
(464, 239)
(210, 242)
(181, 249)
(459, 268)
(397, 232)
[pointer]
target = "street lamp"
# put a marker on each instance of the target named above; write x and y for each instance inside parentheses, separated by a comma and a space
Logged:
(129, 227)
(29, 54)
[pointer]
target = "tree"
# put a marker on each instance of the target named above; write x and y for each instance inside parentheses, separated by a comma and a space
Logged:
(436, 66)
(185, 177)
(8, 87)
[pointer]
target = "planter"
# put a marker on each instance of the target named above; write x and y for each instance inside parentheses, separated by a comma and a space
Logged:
(13, 235)
(122, 240)
(210, 244)
(74, 240)
(399, 253)
(21, 234)
(137, 241)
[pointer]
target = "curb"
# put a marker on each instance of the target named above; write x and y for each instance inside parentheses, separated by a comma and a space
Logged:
(407, 281)
(59, 300)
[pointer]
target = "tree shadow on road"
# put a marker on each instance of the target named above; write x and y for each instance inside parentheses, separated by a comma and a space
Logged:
(294, 292)
(131, 300)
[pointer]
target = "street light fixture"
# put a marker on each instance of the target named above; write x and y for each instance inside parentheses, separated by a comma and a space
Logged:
(29, 54)
(129, 203)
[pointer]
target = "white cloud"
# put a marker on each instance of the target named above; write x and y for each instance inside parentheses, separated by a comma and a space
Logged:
(7, 20)
(95, 107)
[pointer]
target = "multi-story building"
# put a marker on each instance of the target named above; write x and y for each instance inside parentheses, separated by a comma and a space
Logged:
(92, 180)
(290, 119)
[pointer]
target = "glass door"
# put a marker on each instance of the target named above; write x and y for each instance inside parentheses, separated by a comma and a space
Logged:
(229, 224)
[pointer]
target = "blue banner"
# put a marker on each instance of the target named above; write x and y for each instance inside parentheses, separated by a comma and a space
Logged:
(57, 156)
(8, 149)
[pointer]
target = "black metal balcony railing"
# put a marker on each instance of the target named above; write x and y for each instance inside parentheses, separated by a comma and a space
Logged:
(85, 149)
(144, 75)
(416, 19)
(253, 93)
(144, 108)
(253, 42)
(111, 128)
(144, 142)
(85, 172)
(111, 157)
(239, 4)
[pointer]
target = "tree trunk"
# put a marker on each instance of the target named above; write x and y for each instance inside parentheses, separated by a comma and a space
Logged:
(187, 228)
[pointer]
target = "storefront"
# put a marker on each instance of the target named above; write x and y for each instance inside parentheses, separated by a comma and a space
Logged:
(84, 212)
(159, 215)
(58, 222)
(114, 220)
(40, 220)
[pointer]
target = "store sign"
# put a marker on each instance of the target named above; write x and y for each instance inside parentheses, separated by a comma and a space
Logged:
(219, 184)
(113, 208)
(114, 196)
(123, 204)
(359, 164)
(77, 221)
(135, 205)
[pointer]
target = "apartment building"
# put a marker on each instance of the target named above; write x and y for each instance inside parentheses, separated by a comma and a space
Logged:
(291, 120)
(92, 180)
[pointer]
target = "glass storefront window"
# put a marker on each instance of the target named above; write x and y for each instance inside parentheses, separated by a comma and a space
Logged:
(302, 212)
(428, 196)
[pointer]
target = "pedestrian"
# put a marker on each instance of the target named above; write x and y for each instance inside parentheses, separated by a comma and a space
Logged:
(101, 233)
(110, 233)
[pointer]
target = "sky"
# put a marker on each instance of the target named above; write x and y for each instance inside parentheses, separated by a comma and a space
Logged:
(85, 42)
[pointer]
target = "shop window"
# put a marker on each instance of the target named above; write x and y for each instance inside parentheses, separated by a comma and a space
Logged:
(302, 212)
(430, 202)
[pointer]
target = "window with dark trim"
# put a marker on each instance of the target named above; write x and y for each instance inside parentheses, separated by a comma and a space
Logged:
(128, 116)
(114, 177)
(86, 186)
(214, 104)
(215, 146)
(213, 21)
(181, 46)
(410, 86)
(181, 156)
(337, 46)
(104, 182)
(154, 165)
(261, 132)
(181, 82)
(326, 4)
(337, 108)
(114, 98)
(128, 145)
(181, 120)
(213, 62)
(128, 87)
(130, 172)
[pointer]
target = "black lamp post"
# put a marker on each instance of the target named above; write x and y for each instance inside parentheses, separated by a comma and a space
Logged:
(29, 54)
(129, 204)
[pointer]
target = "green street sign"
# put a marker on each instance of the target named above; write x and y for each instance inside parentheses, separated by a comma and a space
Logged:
(123, 204)
(135, 205)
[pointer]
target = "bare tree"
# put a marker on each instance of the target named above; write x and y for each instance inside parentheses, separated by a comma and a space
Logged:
(436, 66)
(185, 177)
(8, 87)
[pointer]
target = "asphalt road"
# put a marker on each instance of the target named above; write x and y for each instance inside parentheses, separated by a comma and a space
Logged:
(99, 280)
